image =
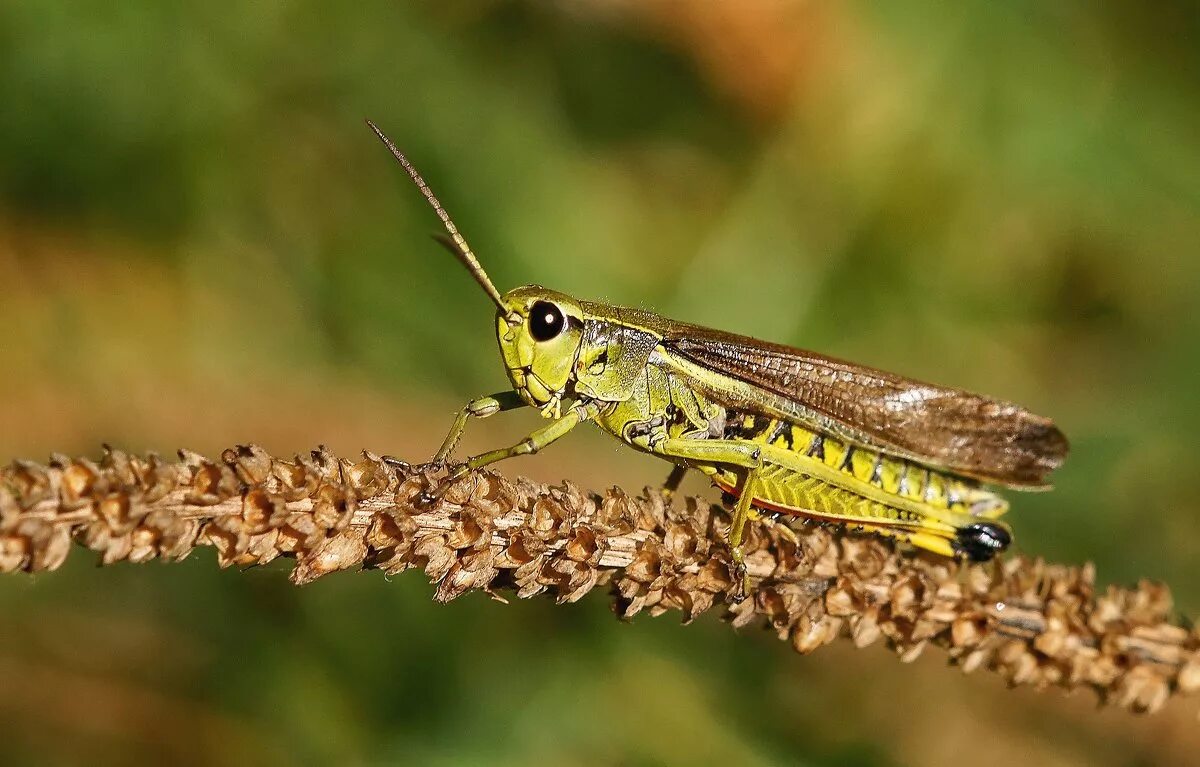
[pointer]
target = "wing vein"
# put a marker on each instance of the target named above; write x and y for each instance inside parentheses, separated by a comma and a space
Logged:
(947, 428)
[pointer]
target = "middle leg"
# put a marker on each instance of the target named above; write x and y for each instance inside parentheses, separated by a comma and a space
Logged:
(745, 455)
(671, 485)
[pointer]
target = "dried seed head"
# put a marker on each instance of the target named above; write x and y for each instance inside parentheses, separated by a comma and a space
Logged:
(1032, 622)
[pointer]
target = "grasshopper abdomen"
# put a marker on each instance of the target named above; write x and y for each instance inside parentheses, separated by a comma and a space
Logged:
(811, 473)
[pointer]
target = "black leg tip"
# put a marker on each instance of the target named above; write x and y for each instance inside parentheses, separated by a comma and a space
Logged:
(982, 541)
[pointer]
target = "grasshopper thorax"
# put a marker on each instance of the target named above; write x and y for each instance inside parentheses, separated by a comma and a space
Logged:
(540, 332)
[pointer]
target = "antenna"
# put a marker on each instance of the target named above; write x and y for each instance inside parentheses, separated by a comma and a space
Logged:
(455, 243)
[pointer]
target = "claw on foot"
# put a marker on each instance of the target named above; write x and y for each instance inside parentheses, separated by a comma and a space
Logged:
(434, 493)
(741, 578)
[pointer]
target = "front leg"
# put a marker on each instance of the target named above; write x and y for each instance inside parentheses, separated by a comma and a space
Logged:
(479, 408)
(528, 446)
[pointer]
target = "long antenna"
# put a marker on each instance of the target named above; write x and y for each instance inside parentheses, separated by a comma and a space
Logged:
(456, 244)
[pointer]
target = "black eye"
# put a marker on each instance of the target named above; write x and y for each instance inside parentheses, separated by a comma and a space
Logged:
(545, 321)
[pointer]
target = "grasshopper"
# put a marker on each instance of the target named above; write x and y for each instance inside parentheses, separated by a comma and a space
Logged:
(781, 430)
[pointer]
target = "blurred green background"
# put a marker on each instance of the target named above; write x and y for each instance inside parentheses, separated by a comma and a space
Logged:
(201, 244)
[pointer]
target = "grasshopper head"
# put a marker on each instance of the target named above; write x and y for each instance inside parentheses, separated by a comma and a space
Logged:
(539, 331)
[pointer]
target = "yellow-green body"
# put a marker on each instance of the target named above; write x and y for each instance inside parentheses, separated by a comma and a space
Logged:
(612, 367)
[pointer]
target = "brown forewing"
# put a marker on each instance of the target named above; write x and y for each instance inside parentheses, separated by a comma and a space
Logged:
(948, 428)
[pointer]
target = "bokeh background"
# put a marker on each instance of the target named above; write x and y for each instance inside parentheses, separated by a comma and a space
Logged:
(201, 244)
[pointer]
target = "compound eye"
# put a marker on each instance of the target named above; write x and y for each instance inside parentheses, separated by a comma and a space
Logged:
(546, 321)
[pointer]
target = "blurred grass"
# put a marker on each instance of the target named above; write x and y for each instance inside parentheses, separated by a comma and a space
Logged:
(200, 244)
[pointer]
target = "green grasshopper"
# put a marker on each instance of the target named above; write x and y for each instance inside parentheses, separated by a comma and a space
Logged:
(782, 430)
